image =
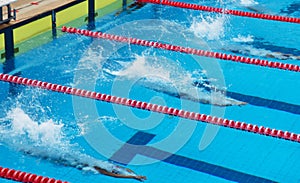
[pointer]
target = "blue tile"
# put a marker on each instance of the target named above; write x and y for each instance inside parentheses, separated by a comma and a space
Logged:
(126, 153)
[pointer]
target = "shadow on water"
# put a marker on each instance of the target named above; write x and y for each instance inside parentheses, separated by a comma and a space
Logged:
(9, 66)
(292, 8)
(132, 7)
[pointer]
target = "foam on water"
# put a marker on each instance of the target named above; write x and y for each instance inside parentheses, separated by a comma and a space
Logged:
(210, 28)
(243, 39)
(19, 131)
(248, 2)
(47, 134)
(140, 67)
(250, 50)
(154, 70)
(45, 140)
(91, 65)
(166, 76)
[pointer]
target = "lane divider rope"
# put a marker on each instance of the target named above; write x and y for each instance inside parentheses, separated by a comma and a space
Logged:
(222, 10)
(25, 177)
(222, 56)
(153, 107)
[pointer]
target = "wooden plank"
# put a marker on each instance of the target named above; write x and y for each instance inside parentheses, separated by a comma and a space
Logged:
(6, 2)
(26, 10)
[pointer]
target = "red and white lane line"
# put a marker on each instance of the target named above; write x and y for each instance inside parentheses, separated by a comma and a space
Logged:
(222, 56)
(25, 177)
(222, 10)
(154, 107)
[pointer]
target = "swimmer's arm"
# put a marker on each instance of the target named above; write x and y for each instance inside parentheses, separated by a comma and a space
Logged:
(105, 172)
(253, 9)
(191, 98)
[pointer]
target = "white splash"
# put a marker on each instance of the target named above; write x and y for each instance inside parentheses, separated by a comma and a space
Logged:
(243, 39)
(90, 66)
(46, 134)
(141, 68)
(151, 71)
(211, 28)
(167, 76)
(45, 140)
(248, 2)
(107, 118)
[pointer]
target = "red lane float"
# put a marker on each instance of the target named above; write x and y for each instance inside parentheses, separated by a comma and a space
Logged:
(153, 107)
(222, 56)
(222, 10)
(25, 177)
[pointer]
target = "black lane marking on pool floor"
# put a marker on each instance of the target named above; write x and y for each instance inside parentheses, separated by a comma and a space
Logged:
(271, 104)
(137, 145)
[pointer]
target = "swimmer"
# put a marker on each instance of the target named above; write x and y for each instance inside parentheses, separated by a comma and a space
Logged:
(87, 163)
(182, 95)
(269, 54)
(120, 172)
(105, 168)
(209, 88)
(282, 56)
(204, 85)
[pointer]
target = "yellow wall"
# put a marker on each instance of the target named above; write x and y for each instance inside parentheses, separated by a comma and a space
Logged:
(32, 29)
(1, 41)
(71, 13)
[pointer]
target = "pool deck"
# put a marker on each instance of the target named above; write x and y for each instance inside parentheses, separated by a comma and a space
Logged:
(27, 9)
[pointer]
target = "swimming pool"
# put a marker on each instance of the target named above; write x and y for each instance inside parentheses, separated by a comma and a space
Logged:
(55, 128)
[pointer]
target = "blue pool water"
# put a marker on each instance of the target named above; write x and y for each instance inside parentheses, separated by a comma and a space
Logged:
(46, 133)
